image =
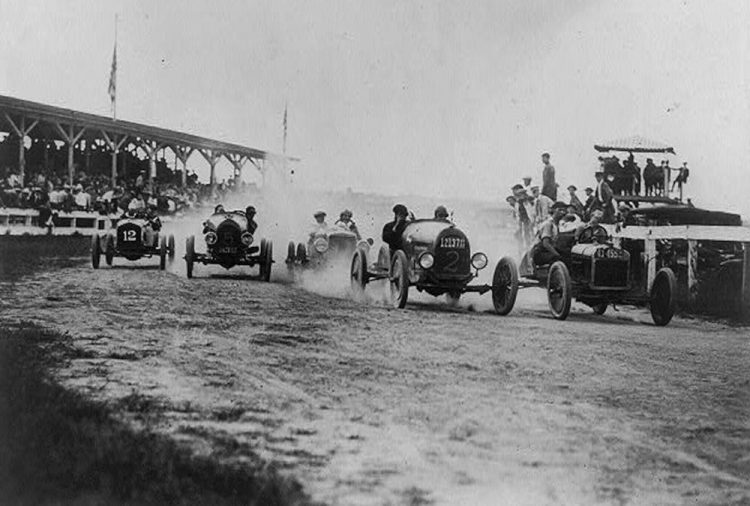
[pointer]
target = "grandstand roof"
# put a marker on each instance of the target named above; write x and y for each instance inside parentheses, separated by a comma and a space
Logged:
(162, 136)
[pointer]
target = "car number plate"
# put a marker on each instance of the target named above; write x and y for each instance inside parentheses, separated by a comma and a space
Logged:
(227, 250)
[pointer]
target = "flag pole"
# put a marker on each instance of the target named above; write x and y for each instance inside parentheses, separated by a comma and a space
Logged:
(283, 147)
(114, 96)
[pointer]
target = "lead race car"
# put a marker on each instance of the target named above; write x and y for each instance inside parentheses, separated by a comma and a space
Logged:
(230, 243)
(595, 272)
(137, 235)
(436, 258)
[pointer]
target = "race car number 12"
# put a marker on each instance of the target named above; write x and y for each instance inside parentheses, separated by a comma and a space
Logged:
(129, 235)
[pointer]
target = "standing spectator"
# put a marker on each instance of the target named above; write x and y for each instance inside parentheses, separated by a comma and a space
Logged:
(575, 202)
(604, 199)
(81, 199)
(542, 205)
(682, 176)
(549, 186)
(650, 177)
(588, 205)
(526, 183)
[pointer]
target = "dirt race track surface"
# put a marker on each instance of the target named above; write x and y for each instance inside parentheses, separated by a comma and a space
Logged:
(368, 405)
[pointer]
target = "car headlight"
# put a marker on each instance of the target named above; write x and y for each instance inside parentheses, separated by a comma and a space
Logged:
(479, 261)
(247, 238)
(426, 260)
(211, 238)
(321, 245)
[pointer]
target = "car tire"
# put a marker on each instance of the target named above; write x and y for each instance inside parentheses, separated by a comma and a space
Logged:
(559, 290)
(505, 286)
(453, 298)
(600, 308)
(96, 250)
(301, 253)
(399, 280)
(290, 252)
(162, 253)
(663, 303)
(358, 272)
(170, 247)
(266, 259)
(109, 249)
(190, 255)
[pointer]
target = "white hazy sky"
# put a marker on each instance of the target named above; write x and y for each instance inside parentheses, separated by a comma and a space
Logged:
(428, 97)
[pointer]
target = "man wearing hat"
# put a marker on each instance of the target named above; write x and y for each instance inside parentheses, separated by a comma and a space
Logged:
(542, 206)
(526, 180)
(544, 251)
(345, 221)
(441, 214)
(588, 205)
(320, 224)
(575, 202)
(604, 199)
(549, 185)
(250, 215)
(650, 176)
(393, 231)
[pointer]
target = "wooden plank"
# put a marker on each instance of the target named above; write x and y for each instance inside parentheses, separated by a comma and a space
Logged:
(745, 298)
(692, 271)
(686, 232)
(650, 260)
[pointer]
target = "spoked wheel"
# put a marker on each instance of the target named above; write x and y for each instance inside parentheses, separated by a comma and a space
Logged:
(559, 290)
(109, 249)
(190, 255)
(266, 258)
(358, 272)
(399, 280)
(170, 247)
(162, 253)
(505, 286)
(600, 308)
(96, 251)
(663, 303)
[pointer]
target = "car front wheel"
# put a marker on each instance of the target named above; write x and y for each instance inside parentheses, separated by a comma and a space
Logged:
(663, 303)
(559, 290)
(399, 278)
(190, 255)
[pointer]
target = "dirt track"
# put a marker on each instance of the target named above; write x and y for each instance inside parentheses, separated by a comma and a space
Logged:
(367, 405)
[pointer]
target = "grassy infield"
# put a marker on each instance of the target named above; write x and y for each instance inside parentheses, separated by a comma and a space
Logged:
(57, 447)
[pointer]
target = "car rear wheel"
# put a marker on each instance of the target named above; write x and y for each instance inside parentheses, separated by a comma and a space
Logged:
(559, 290)
(190, 255)
(663, 303)
(505, 286)
(162, 253)
(170, 247)
(358, 272)
(600, 308)
(109, 249)
(399, 280)
(96, 251)
(266, 258)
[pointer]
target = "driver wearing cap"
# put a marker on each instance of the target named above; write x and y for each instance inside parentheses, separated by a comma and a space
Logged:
(393, 231)
(250, 216)
(441, 214)
(544, 251)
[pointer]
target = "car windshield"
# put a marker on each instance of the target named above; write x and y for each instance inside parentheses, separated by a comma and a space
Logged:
(425, 230)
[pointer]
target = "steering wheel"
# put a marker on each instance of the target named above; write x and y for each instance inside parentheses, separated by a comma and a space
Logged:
(596, 234)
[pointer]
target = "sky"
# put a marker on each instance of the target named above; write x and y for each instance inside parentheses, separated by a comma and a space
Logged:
(423, 97)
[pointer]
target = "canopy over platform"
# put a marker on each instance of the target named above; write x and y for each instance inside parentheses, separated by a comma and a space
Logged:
(635, 144)
(23, 118)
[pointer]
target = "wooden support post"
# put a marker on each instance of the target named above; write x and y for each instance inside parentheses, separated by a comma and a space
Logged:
(71, 137)
(183, 153)
(650, 259)
(114, 144)
(692, 271)
(212, 157)
(745, 297)
(237, 161)
(22, 131)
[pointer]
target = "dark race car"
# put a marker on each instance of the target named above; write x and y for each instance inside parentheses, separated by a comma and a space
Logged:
(324, 247)
(595, 272)
(136, 236)
(229, 243)
(436, 258)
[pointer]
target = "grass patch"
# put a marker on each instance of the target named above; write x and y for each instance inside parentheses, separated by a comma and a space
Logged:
(58, 447)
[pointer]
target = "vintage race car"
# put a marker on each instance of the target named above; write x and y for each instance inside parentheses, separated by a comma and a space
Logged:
(436, 258)
(323, 247)
(134, 238)
(229, 243)
(595, 272)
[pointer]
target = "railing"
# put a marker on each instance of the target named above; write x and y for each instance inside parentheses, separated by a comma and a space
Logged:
(15, 221)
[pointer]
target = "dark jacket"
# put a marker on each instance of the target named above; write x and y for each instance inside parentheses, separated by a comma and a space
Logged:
(393, 234)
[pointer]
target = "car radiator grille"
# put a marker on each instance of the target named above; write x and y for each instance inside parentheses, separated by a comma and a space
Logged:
(610, 273)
